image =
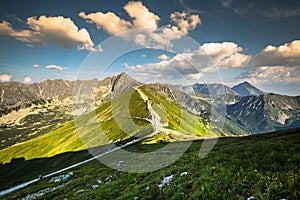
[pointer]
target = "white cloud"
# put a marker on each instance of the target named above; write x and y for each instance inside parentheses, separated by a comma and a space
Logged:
(36, 66)
(58, 30)
(107, 21)
(27, 36)
(275, 64)
(185, 22)
(5, 77)
(226, 54)
(207, 59)
(195, 76)
(56, 67)
(172, 69)
(27, 79)
(272, 74)
(142, 17)
(148, 32)
(284, 55)
(163, 57)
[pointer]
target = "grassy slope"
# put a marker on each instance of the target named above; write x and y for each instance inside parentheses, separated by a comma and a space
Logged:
(265, 166)
(89, 134)
(34, 125)
(179, 119)
(67, 139)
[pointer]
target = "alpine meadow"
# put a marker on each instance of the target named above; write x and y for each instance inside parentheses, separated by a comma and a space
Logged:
(145, 99)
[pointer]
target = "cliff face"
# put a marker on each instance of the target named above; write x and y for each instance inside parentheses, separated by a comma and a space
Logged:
(121, 83)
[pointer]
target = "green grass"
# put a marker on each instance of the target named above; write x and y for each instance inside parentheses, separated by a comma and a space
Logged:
(34, 125)
(265, 166)
(116, 120)
(90, 130)
(177, 117)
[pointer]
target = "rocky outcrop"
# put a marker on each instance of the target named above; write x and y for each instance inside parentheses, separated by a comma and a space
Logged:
(121, 83)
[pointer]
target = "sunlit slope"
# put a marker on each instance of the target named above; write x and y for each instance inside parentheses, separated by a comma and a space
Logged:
(125, 116)
(96, 128)
(176, 117)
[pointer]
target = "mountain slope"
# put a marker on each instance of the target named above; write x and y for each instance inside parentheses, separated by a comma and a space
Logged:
(111, 123)
(122, 83)
(246, 89)
(264, 113)
(208, 89)
(30, 110)
(264, 166)
(91, 134)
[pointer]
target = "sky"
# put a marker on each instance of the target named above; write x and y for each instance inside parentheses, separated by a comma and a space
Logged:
(170, 41)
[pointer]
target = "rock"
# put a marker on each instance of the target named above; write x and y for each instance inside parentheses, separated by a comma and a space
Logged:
(249, 198)
(99, 181)
(95, 186)
(79, 191)
(122, 83)
(66, 177)
(61, 177)
(166, 181)
(183, 173)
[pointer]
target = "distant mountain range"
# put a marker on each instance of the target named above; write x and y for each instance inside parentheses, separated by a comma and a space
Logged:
(242, 89)
(15, 95)
(249, 110)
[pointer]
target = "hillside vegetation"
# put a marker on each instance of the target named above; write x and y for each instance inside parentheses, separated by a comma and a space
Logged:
(107, 125)
(264, 166)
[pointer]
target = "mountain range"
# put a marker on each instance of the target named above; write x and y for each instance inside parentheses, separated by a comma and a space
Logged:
(30, 110)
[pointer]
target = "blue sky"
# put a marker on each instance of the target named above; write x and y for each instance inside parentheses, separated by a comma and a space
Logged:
(255, 41)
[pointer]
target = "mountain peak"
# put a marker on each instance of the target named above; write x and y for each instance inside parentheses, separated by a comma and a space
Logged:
(245, 83)
(212, 89)
(122, 82)
(246, 89)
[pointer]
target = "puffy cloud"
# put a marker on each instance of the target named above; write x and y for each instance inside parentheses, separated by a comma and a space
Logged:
(225, 54)
(184, 21)
(6, 29)
(195, 76)
(36, 66)
(142, 17)
(56, 67)
(272, 74)
(284, 55)
(163, 57)
(207, 59)
(275, 64)
(166, 69)
(107, 21)
(27, 79)
(5, 77)
(58, 30)
(27, 36)
(148, 33)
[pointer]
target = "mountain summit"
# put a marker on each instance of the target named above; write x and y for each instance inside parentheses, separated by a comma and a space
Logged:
(122, 82)
(246, 89)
